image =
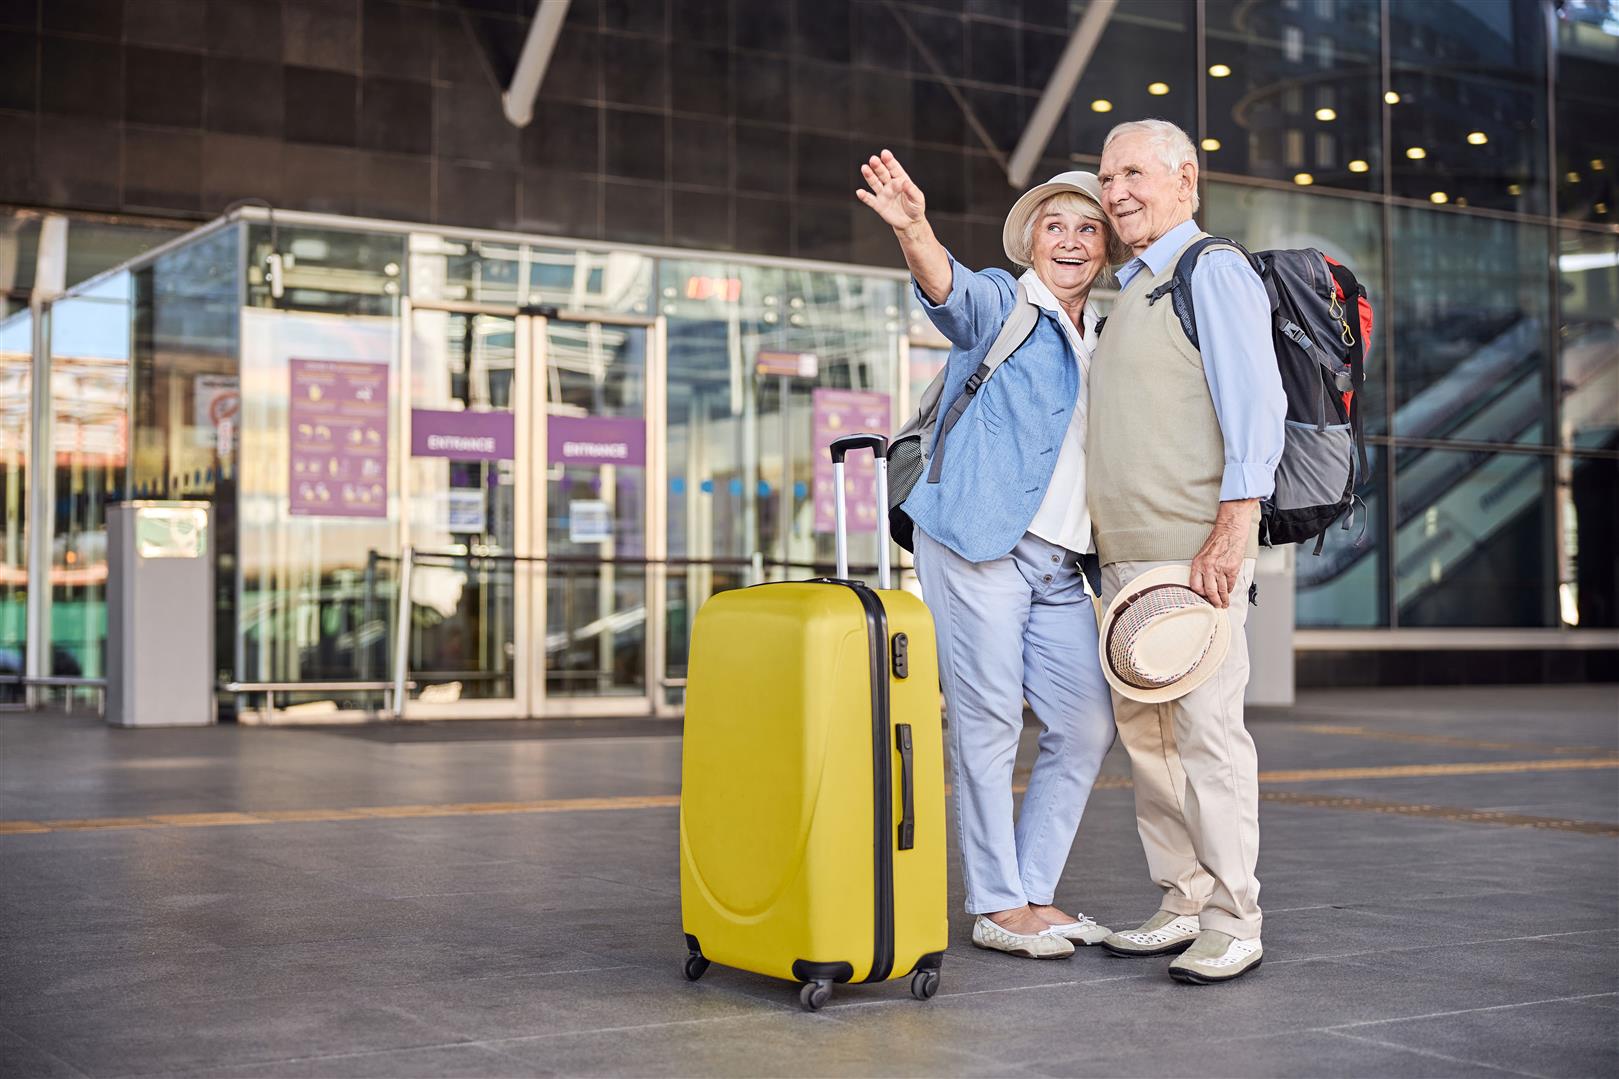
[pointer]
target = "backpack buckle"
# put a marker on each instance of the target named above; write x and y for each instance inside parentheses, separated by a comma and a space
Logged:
(974, 381)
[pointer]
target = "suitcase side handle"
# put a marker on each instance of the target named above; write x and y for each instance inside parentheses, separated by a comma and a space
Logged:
(879, 450)
(907, 820)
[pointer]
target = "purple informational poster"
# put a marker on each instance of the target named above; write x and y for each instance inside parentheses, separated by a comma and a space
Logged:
(596, 440)
(337, 415)
(839, 413)
(463, 436)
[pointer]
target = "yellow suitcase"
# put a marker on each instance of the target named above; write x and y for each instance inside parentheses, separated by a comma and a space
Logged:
(812, 834)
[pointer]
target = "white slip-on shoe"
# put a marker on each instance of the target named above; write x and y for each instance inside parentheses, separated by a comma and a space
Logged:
(986, 934)
(1216, 957)
(1082, 930)
(1163, 934)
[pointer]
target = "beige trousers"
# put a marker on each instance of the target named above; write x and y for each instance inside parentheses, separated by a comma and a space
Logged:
(1196, 779)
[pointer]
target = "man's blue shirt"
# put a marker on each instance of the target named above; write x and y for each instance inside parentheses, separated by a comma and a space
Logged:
(1239, 359)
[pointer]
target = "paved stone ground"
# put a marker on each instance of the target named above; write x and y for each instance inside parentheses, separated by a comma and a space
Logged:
(1439, 868)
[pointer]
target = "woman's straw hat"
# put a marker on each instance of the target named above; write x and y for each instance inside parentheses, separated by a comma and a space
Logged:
(1084, 184)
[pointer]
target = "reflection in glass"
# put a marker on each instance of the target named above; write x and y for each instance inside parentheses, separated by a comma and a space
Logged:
(1471, 538)
(741, 464)
(1468, 129)
(1349, 230)
(1588, 347)
(16, 379)
(576, 280)
(89, 338)
(463, 607)
(1145, 64)
(317, 593)
(1302, 97)
(596, 594)
(1343, 585)
(1587, 138)
(332, 270)
(1470, 328)
(1588, 578)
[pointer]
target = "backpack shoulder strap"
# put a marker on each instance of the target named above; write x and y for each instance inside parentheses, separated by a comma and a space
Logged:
(1015, 330)
(1179, 286)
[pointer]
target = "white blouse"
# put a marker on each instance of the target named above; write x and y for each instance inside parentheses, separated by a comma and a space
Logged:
(1063, 517)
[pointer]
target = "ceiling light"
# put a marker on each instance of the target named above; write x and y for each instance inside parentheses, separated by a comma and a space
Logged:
(1461, 201)
(1601, 207)
(1597, 164)
(1392, 98)
(1211, 145)
(1573, 177)
(1438, 198)
(1101, 104)
(1303, 179)
(1219, 71)
(1326, 115)
(1358, 165)
(1416, 153)
(1477, 138)
(1158, 89)
(1514, 189)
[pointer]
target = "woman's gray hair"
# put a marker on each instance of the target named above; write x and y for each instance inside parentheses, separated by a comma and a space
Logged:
(1172, 145)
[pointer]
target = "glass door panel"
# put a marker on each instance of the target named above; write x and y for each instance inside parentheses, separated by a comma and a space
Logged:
(465, 489)
(598, 512)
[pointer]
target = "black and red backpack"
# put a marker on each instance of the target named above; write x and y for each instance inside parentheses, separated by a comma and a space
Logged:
(1321, 323)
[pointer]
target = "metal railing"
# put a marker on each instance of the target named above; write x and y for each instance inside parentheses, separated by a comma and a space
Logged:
(395, 691)
(755, 567)
(270, 689)
(59, 681)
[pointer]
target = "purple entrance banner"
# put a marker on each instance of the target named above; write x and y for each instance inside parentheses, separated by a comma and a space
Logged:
(839, 413)
(596, 440)
(463, 436)
(337, 415)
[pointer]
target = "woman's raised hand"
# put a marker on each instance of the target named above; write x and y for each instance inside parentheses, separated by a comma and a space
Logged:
(893, 195)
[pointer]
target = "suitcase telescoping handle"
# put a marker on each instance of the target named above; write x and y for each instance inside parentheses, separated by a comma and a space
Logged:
(879, 448)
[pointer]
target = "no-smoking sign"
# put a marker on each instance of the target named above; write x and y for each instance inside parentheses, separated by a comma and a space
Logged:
(218, 400)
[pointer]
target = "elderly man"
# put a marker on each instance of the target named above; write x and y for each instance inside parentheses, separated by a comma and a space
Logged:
(1182, 446)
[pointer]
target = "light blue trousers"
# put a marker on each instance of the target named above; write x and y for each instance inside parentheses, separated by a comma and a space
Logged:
(1019, 627)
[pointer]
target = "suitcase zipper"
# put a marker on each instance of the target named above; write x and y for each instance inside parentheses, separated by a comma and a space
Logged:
(882, 768)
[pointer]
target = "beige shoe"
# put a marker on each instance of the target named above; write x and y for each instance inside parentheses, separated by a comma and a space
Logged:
(986, 934)
(1165, 933)
(1081, 930)
(1216, 957)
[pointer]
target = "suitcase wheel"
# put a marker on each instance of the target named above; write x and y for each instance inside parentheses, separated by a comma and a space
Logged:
(924, 983)
(814, 995)
(695, 966)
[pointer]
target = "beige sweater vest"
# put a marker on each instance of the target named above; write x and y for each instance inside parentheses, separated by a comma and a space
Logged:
(1154, 455)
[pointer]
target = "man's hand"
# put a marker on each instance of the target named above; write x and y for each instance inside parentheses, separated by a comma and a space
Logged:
(1214, 571)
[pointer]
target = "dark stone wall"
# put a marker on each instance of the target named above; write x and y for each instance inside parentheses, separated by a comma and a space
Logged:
(721, 124)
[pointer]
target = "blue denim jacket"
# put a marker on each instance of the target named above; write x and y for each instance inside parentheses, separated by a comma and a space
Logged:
(1000, 456)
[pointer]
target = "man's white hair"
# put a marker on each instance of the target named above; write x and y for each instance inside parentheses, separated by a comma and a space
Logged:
(1172, 145)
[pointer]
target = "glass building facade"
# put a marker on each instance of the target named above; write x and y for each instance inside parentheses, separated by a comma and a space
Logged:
(693, 287)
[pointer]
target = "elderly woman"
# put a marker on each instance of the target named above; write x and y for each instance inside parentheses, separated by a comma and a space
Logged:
(1000, 545)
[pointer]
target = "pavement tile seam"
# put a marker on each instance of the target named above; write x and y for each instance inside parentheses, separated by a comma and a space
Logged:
(1336, 1027)
(1431, 1054)
(1352, 956)
(826, 1015)
(215, 1069)
(44, 1052)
